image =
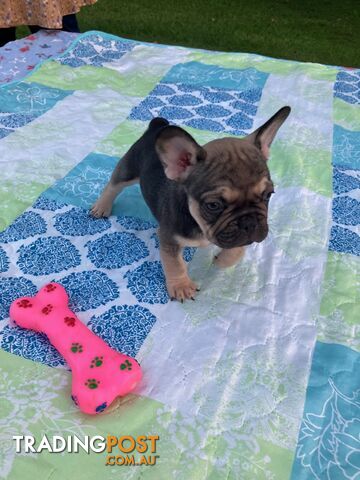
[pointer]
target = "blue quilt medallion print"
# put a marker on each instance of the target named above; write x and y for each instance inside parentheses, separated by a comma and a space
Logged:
(78, 222)
(206, 97)
(147, 283)
(344, 236)
(12, 288)
(32, 345)
(345, 180)
(344, 240)
(347, 86)
(124, 327)
(89, 289)
(44, 203)
(346, 210)
(26, 225)
(48, 255)
(135, 223)
(95, 50)
(115, 250)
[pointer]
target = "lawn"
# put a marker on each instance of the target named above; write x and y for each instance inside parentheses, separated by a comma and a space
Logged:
(324, 31)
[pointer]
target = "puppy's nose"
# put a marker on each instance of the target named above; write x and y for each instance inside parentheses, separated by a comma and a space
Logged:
(247, 223)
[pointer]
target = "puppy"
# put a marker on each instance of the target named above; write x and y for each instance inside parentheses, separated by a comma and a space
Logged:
(218, 193)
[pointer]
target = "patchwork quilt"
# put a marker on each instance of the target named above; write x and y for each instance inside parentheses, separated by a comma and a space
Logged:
(259, 377)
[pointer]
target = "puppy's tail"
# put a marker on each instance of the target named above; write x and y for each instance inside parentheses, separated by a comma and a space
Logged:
(157, 123)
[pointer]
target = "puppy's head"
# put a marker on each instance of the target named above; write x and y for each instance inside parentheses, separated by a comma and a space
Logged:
(227, 180)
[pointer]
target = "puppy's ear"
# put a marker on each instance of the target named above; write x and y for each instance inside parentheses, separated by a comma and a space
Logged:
(178, 152)
(264, 135)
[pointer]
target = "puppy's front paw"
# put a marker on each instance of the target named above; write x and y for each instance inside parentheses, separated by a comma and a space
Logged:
(228, 258)
(182, 289)
(101, 209)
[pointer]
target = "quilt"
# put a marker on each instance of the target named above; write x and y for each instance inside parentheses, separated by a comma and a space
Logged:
(259, 377)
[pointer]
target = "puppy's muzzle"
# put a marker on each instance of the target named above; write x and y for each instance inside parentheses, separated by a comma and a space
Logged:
(246, 229)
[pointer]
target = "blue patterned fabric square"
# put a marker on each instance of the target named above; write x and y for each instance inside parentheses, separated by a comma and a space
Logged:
(31, 345)
(200, 74)
(344, 240)
(26, 225)
(124, 327)
(12, 288)
(48, 255)
(89, 289)
(346, 206)
(83, 185)
(346, 148)
(96, 50)
(205, 97)
(345, 180)
(347, 86)
(21, 104)
(344, 235)
(329, 438)
(346, 210)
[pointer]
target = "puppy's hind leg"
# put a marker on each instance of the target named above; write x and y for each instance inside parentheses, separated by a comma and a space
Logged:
(124, 175)
(102, 207)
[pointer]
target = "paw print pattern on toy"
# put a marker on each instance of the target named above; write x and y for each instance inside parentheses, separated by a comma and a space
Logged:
(92, 383)
(48, 309)
(70, 321)
(126, 365)
(24, 303)
(50, 287)
(76, 348)
(100, 374)
(97, 362)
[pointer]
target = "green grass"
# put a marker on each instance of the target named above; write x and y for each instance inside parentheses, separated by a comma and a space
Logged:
(324, 31)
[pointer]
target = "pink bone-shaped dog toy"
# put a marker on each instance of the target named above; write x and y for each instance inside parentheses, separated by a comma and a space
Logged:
(100, 374)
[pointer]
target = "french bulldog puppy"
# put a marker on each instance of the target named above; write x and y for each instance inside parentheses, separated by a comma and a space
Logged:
(217, 193)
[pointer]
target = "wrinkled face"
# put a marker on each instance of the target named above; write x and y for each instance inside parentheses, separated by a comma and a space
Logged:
(229, 193)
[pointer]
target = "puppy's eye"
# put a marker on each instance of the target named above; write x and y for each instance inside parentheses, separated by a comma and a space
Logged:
(266, 195)
(214, 206)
